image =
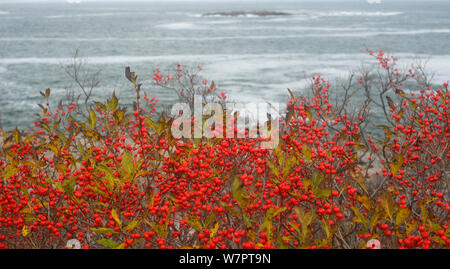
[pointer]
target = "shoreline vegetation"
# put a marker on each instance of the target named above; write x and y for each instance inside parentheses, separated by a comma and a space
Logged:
(94, 173)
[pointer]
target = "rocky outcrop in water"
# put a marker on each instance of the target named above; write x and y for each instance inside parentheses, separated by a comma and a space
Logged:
(247, 13)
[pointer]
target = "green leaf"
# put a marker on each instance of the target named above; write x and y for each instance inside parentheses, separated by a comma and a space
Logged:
(103, 230)
(108, 243)
(280, 210)
(69, 185)
(127, 163)
(131, 226)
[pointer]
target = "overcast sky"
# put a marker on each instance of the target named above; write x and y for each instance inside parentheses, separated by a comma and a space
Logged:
(13, 1)
(63, 1)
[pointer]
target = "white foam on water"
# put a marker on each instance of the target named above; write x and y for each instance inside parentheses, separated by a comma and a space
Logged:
(84, 15)
(179, 26)
(4, 12)
(223, 22)
(356, 13)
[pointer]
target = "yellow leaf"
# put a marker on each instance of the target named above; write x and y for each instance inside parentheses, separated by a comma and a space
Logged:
(365, 201)
(360, 217)
(306, 152)
(402, 215)
(359, 180)
(25, 231)
(386, 203)
(326, 227)
(214, 230)
(93, 118)
(194, 223)
(410, 227)
(116, 217)
(397, 164)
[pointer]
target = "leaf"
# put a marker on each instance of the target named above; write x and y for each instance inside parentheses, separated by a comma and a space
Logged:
(309, 114)
(322, 192)
(121, 246)
(424, 212)
(119, 115)
(214, 230)
(273, 168)
(267, 225)
(209, 219)
(326, 228)
(398, 162)
(108, 243)
(25, 231)
(306, 152)
(150, 123)
(386, 203)
(116, 217)
(127, 163)
(374, 219)
(360, 181)
(47, 93)
(103, 230)
(10, 171)
(410, 227)
(390, 103)
(92, 118)
(400, 92)
(280, 210)
(305, 219)
(112, 104)
(131, 226)
(195, 223)
(360, 217)
(288, 164)
(365, 201)
(69, 185)
(402, 215)
(238, 192)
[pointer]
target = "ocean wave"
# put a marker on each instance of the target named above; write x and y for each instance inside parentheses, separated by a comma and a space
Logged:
(247, 63)
(310, 32)
(4, 12)
(309, 14)
(3, 69)
(84, 15)
(179, 26)
(227, 16)
(356, 13)
(223, 22)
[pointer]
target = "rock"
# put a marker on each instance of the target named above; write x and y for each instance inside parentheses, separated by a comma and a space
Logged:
(247, 13)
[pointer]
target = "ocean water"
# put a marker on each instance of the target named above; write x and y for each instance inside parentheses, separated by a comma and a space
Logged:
(253, 59)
